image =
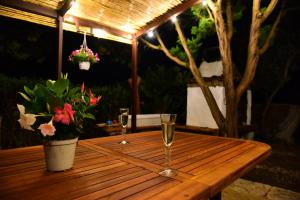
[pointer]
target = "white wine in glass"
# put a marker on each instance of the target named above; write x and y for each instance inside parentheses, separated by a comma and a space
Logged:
(124, 112)
(168, 129)
(168, 132)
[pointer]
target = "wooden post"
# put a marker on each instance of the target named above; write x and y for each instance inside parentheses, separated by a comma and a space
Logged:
(134, 90)
(60, 45)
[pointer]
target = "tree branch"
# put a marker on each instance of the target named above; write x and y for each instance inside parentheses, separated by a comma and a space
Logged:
(163, 48)
(229, 20)
(150, 44)
(271, 34)
(211, 5)
(253, 51)
(269, 10)
(192, 64)
(168, 54)
(212, 104)
(219, 2)
(209, 13)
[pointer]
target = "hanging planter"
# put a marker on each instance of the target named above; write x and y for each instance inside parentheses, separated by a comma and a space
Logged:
(84, 56)
(85, 65)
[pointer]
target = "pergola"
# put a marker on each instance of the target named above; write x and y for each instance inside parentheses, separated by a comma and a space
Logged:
(119, 20)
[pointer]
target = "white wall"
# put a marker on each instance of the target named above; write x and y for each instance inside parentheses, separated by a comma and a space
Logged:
(145, 120)
(198, 112)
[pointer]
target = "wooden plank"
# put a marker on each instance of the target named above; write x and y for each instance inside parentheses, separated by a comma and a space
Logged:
(233, 169)
(195, 149)
(136, 188)
(187, 190)
(30, 7)
(152, 191)
(200, 150)
(200, 155)
(138, 162)
(120, 186)
(166, 16)
(104, 169)
(27, 181)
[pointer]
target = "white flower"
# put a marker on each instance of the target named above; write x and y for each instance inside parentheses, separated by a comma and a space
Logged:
(26, 120)
(47, 129)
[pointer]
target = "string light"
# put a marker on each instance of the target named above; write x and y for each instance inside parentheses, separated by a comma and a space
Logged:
(99, 32)
(150, 34)
(70, 19)
(129, 36)
(128, 27)
(174, 18)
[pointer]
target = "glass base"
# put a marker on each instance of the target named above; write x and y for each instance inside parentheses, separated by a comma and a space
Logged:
(123, 142)
(168, 172)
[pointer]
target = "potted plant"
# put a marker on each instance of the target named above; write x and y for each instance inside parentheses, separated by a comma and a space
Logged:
(84, 57)
(57, 112)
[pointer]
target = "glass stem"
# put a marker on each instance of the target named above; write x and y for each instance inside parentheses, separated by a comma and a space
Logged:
(168, 155)
(124, 133)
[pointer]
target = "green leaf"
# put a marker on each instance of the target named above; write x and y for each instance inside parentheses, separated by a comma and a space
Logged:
(28, 91)
(25, 96)
(60, 87)
(74, 92)
(89, 116)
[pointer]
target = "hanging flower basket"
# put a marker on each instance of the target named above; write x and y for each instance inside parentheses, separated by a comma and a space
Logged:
(84, 56)
(84, 65)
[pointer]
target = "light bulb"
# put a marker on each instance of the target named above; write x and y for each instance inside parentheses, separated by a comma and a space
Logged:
(150, 34)
(174, 18)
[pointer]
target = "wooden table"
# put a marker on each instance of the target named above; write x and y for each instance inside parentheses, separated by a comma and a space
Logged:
(104, 169)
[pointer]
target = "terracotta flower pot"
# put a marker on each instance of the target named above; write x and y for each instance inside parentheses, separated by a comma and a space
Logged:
(59, 154)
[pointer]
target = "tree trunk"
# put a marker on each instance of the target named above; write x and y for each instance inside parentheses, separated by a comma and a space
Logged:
(231, 126)
(214, 109)
(223, 32)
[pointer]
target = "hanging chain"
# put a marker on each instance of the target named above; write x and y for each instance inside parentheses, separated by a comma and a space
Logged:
(84, 44)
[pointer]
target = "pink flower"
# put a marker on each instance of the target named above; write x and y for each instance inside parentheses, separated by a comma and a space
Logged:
(97, 57)
(47, 129)
(64, 115)
(94, 100)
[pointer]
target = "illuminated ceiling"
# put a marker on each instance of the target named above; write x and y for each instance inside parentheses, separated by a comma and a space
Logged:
(118, 20)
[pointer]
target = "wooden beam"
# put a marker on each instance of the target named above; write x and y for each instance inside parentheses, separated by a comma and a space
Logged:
(134, 63)
(84, 22)
(60, 45)
(66, 6)
(29, 7)
(165, 17)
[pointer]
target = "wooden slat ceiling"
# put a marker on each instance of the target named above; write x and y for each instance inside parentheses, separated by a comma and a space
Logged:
(121, 19)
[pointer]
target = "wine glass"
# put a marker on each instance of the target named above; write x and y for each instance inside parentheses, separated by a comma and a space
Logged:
(168, 131)
(124, 121)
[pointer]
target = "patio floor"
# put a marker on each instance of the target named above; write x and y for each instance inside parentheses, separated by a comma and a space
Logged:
(248, 190)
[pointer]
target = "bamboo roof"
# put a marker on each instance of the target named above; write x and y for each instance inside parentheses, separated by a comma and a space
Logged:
(118, 20)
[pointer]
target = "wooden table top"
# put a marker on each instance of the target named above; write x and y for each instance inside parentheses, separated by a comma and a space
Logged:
(104, 169)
